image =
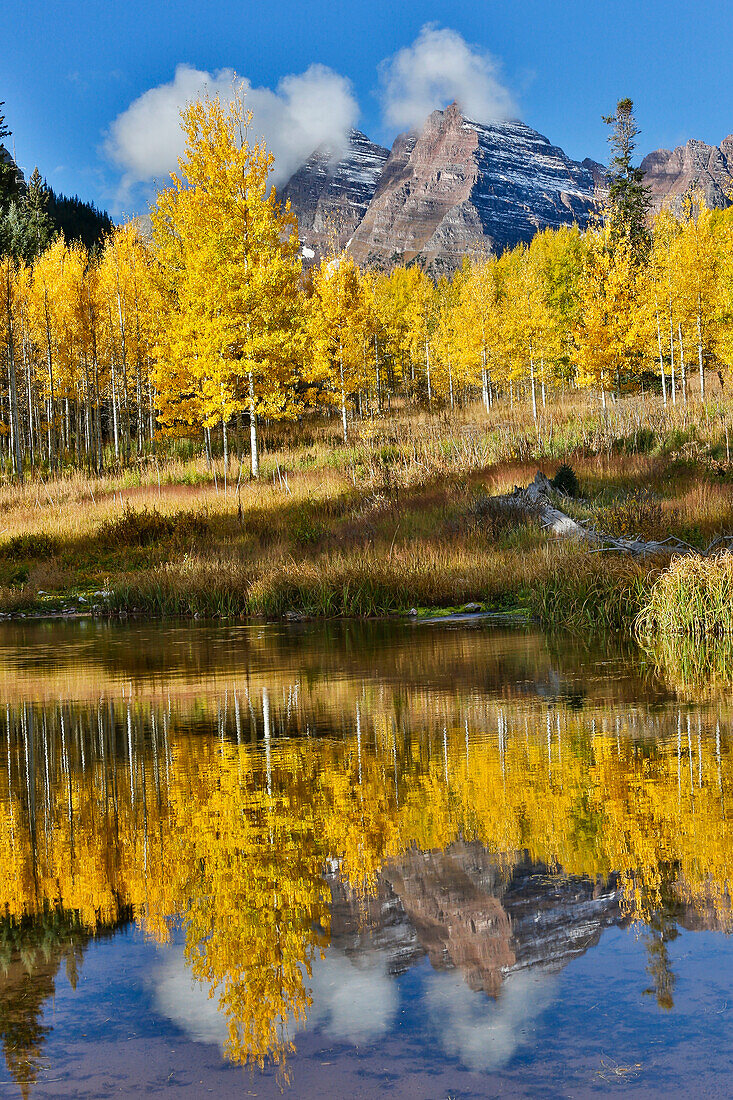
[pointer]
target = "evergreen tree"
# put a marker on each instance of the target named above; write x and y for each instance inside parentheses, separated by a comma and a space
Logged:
(78, 220)
(36, 228)
(9, 181)
(628, 198)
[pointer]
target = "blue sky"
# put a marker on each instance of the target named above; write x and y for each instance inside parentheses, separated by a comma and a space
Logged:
(69, 69)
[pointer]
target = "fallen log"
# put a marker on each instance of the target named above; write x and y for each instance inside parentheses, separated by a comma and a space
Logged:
(538, 499)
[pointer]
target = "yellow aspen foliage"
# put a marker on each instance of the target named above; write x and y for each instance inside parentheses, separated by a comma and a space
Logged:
(609, 334)
(698, 258)
(228, 271)
(337, 330)
(421, 318)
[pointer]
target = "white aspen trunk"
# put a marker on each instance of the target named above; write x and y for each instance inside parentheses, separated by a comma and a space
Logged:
(683, 376)
(268, 735)
(532, 384)
(151, 397)
(699, 355)
(88, 422)
(115, 423)
(51, 442)
(29, 386)
(450, 384)
(544, 388)
(140, 415)
(343, 401)
(125, 402)
(485, 388)
(672, 385)
(226, 452)
(97, 414)
(661, 363)
(14, 419)
(254, 457)
(427, 373)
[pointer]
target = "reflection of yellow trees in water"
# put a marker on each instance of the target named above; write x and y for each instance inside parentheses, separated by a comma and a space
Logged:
(108, 807)
(252, 896)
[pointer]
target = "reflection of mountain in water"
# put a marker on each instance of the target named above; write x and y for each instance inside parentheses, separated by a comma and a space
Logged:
(462, 909)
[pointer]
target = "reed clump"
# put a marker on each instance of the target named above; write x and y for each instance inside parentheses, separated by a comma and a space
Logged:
(590, 592)
(693, 597)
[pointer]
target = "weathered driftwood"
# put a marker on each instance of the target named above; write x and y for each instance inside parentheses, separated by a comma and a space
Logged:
(537, 500)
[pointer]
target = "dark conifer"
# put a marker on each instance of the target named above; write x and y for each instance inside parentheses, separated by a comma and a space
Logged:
(38, 229)
(628, 198)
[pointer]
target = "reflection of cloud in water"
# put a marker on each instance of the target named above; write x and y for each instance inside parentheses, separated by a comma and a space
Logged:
(352, 1003)
(186, 1002)
(484, 1034)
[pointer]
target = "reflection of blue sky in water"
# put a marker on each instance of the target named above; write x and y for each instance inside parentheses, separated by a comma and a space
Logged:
(357, 1003)
(483, 1033)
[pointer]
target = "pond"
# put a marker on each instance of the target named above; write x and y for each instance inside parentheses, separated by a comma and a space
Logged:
(390, 859)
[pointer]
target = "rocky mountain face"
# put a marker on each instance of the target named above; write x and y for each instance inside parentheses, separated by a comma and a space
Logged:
(330, 194)
(459, 187)
(487, 917)
(456, 187)
(672, 175)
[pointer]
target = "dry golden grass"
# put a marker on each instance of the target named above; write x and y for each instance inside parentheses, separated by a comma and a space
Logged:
(386, 523)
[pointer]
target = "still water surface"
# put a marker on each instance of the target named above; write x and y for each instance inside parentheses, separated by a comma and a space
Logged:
(361, 860)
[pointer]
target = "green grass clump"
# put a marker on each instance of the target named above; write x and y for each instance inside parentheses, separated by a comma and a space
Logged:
(693, 597)
(31, 547)
(590, 592)
(145, 527)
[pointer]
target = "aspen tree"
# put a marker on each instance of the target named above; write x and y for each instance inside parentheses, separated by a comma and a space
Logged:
(421, 318)
(607, 335)
(47, 322)
(697, 261)
(337, 325)
(228, 266)
(8, 339)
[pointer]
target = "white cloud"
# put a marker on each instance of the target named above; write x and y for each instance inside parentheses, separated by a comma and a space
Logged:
(306, 110)
(186, 1002)
(439, 67)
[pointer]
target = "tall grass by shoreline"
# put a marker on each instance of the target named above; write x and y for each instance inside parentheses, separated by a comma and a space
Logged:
(693, 598)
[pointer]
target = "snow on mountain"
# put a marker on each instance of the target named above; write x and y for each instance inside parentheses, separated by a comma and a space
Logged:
(456, 187)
